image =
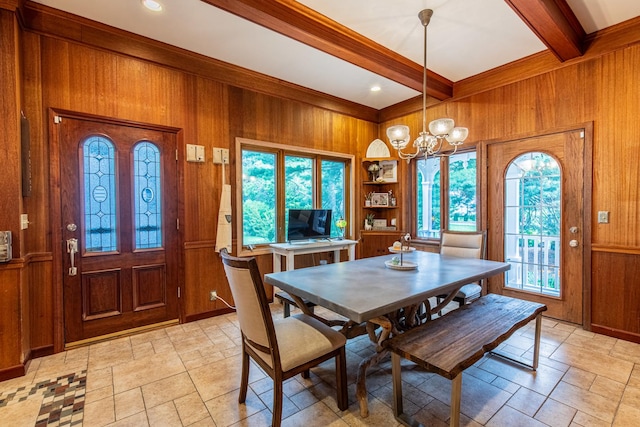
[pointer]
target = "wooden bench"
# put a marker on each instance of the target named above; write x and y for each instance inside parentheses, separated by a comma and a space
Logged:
(287, 301)
(450, 344)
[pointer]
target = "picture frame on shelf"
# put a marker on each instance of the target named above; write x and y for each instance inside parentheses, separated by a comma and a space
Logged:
(379, 223)
(389, 170)
(380, 199)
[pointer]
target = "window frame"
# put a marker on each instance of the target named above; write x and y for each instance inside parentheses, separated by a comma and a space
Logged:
(444, 195)
(281, 151)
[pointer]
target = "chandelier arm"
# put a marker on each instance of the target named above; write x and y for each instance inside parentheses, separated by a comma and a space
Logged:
(455, 148)
(434, 151)
(407, 157)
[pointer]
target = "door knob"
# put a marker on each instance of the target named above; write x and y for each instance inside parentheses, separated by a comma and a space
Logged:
(573, 243)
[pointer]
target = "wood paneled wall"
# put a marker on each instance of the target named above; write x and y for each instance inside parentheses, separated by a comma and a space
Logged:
(616, 294)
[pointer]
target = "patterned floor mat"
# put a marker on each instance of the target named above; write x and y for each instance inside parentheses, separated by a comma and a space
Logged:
(62, 399)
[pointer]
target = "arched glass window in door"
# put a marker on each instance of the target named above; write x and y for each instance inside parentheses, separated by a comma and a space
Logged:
(532, 223)
(147, 196)
(98, 170)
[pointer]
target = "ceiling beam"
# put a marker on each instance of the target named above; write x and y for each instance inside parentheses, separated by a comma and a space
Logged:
(555, 24)
(307, 26)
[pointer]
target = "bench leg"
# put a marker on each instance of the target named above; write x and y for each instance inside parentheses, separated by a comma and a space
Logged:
(287, 309)
(536, 349)
(397, 385)
(456, 391)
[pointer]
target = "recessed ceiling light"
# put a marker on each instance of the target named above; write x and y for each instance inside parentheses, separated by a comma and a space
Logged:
(375, 88)
(152, 5)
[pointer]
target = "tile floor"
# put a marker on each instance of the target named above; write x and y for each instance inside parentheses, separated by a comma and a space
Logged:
(188, 375)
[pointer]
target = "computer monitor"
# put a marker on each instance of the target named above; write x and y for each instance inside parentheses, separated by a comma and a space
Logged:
(305, 224)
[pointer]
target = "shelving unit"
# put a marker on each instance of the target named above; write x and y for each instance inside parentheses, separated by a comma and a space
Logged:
(375, 242)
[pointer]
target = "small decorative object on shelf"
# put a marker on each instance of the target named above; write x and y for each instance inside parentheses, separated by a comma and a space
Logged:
(341, 224)
(380, 199)
(368, 222)
(392, 198)
(367, 198)
(379, 224)
(389, 170)
(374, 168)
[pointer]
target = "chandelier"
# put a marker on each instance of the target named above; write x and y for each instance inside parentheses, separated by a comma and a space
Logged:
(427, 144)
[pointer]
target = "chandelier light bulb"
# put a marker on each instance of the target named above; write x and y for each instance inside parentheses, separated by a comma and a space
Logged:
(441, 127)
(457, 135)
(398, 136)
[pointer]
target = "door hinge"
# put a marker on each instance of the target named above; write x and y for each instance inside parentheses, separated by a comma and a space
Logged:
(178, 292)
(176, 154)
(582, 134)
(177, 223)
(57, 120)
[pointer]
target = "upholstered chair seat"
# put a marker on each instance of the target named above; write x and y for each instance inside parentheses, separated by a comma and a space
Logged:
(302, 338)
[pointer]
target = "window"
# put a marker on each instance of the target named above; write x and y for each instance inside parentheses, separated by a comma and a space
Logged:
(298, 184)
(276, 179)
(333, 191)
(258, 197)
(532, 223)
(455, 177)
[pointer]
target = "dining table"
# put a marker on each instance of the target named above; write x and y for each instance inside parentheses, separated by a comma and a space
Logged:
(383, 296)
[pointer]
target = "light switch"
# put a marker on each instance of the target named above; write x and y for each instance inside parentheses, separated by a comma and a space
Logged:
(603, 217)
(24, 221)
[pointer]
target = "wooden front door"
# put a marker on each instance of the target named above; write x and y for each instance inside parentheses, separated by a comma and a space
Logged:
(536, 220)
(118, 190)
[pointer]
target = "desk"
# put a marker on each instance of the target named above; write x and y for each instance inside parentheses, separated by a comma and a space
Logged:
(289, 251)
(367, 291)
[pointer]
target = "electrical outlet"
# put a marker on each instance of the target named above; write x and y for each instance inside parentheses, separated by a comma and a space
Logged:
(603, 217)
(220, 156)
(213, 295)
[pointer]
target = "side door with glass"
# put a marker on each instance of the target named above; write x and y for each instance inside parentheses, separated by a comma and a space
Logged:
(536, 220)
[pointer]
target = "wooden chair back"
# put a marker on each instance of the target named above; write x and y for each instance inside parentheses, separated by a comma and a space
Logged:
(464, 244)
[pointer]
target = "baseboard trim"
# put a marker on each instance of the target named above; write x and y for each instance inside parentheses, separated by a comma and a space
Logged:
(616, 333)
(207, 314)
(45, 350)
(13, 372)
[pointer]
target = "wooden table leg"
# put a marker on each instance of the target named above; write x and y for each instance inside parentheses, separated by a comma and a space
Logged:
(381, 353)
(300, 303)
(361, 385)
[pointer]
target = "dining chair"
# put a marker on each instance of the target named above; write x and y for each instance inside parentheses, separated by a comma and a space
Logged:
(283, 347)
(464, 244)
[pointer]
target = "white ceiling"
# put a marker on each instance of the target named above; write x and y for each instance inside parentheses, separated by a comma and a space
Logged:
(465, 37)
